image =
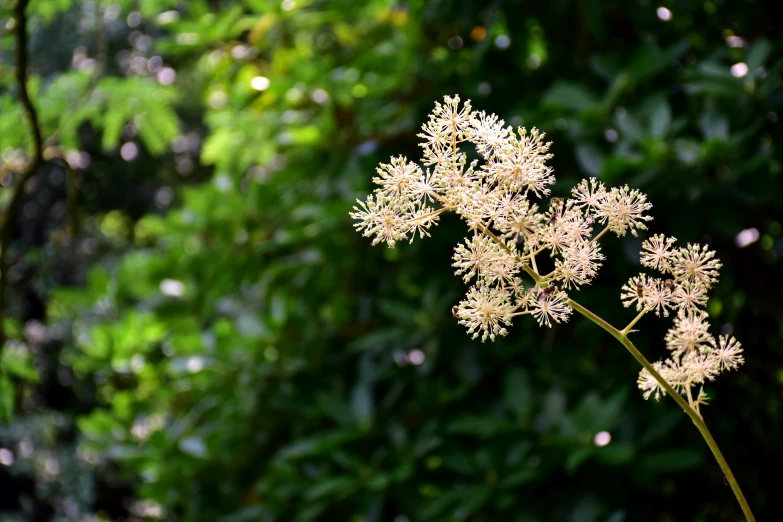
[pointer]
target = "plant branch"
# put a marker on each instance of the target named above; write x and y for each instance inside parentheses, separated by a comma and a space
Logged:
(533, 274)
(690, 400)
(533, 261)
(622, 336)
(636, 319)
(497, 240)
(691, 412)
(7, 215)
(596, 238)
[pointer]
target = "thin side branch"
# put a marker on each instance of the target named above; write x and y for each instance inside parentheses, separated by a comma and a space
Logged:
(7, 215)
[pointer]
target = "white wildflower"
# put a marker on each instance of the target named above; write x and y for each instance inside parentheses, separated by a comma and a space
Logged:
(383, 218)
(579, 265)
(566, 225)
(481, 256)
(519, 225)
(484, 310)
(700, 367)
(688, 296)
(689, 333)
(589, 194)
(623, 210)
(728, 353)
(399, 180)
(497, 197)
(550, 307)
(635, 290)
(657, 252)
(696, 264)
(488, 134)
(520, 166)
(448, 122)
(649, 385)
(517, 288)
(658, 297)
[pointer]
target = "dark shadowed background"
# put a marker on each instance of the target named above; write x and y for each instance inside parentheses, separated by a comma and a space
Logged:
(195, 332)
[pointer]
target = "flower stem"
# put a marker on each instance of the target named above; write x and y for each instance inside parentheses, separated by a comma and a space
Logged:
(431, 214)
(693, 404)
(627, 329)
(622, 336)
(497, 240)
(693, 414)
(596, 238)
(533, 261)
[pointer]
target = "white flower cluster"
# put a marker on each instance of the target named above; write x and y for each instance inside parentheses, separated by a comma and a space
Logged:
(696, 356)
(501, 196)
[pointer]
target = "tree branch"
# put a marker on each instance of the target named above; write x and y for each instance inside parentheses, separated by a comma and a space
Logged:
(7, 215)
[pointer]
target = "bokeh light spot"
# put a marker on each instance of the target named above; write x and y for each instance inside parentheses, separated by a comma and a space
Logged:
(746, 237)
(479, 33)
(455, 43)
(739, 69)
(502, 41)
(664, 14)
(166, 76)
(416, 357)
(129, 151)
(602, 438)
(260, 83)
(6, 457)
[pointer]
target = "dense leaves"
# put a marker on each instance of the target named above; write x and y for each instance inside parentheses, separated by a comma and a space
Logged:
(215, 342)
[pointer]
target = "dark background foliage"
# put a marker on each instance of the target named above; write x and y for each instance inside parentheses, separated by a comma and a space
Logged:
(197, 333)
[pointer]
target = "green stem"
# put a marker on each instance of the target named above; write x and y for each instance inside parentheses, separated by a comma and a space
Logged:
(622, 336)
(627, 329)
(596, 238)
(533, 261)
(693, 414)
(690, 399)
(431, 214)
(497, 240)
(532, 273)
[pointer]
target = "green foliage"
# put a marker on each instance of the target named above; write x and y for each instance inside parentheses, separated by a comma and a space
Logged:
(48, 10)
(221, 342)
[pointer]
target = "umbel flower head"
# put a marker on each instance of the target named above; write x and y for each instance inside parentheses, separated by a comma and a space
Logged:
(502, 197)
(695, 355)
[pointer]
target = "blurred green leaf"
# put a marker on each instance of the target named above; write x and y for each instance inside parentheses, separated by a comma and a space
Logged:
(671, 461)
(661, 119)
(519, 393)
(590, 159)
(18, 362)
(7, 398)
(758, 54)
(569, 96)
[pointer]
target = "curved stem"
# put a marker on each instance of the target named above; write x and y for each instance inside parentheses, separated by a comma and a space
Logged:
(622, 336)
(693, 414)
